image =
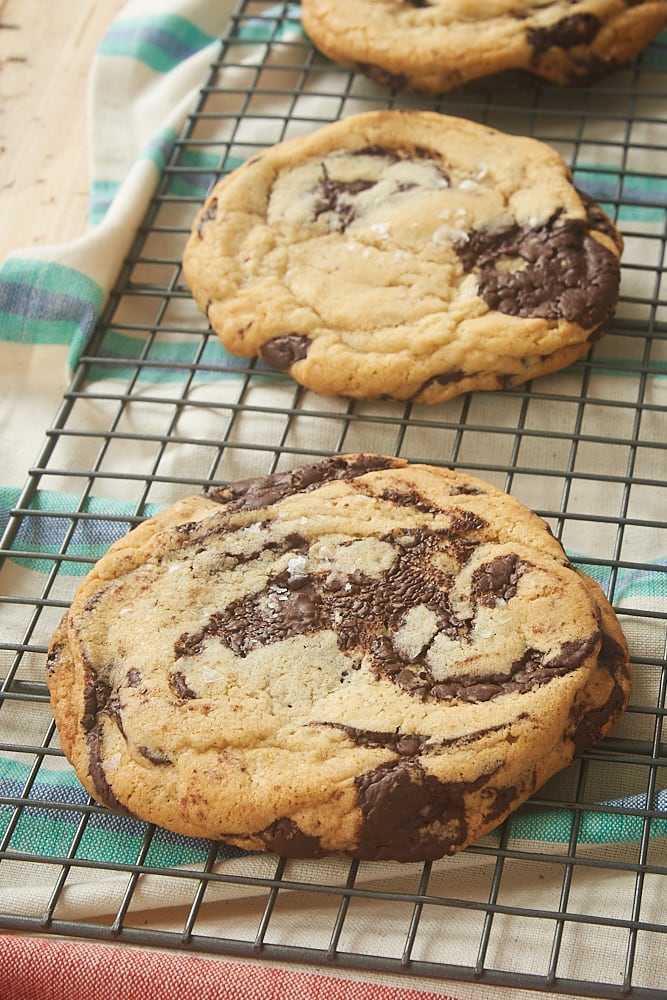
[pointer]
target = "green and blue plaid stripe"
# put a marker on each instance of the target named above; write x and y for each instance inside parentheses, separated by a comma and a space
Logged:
(44, 829)
(160, 42)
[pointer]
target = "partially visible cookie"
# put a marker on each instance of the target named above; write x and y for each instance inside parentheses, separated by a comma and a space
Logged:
(405, 254)
(358, 656)
(435, 45)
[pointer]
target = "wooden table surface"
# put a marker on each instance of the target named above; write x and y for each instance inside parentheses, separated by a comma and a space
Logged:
(46, 47)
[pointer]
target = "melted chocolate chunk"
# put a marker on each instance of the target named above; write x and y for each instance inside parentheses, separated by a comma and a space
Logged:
(262, 491)
(408, 815)
(446, 378)
(403, 744)
(283, 352)
(570, 31)
(503, 380)
(412, 500)
(286, 839)
(179, 685)
(589, 727)
(93, 602)
(572, 654)
(96, 697)
(208, 215)
(467, 490)
(333, 198)
(103, 791)
(497, 580)
(612, 656)
(465, 522)
(96, 700)
(501, 801)
(597, 220)
(155, 757)
(53, 655)
(564, 273)
(477, 693)
(367, 605)
(532, 670)
(529, 672)
(272, 615)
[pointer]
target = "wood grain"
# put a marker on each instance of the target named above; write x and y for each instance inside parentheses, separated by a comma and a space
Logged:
(46, 47)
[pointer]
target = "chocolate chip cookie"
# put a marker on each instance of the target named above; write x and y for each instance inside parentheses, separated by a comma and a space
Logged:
(436, 45)
(405, 254)
(359, 656)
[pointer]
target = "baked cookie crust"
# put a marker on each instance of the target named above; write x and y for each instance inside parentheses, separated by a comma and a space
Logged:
(360, 656)
(405, 254)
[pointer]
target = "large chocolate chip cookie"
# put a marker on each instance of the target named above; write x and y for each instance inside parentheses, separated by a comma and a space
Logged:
(435, 45)
(405, 254)
(359, 656)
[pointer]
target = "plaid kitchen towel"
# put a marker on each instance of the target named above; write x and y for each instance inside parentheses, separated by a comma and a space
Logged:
(149, 67)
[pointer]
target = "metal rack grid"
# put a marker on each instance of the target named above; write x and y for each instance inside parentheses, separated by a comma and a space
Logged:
(156, 410)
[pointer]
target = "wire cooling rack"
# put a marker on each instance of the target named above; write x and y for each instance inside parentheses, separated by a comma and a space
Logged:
(566, 895)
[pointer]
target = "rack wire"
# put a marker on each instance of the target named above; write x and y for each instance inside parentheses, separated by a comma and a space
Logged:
(156, 411)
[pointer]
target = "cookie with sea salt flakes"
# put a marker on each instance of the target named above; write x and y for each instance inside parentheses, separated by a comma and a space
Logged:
(436, 45)
(405, 254)
(359, 656)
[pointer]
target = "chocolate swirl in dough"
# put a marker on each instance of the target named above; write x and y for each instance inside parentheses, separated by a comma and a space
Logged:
(358, 656)
(405, 254)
